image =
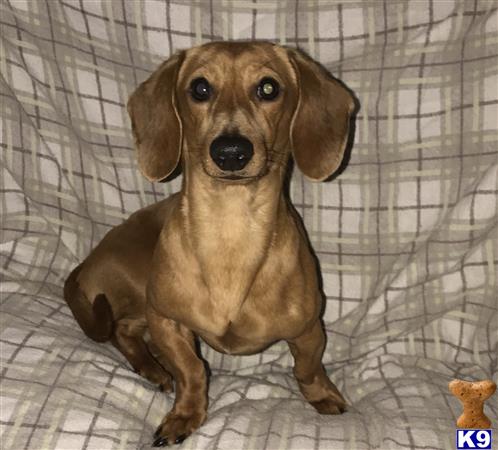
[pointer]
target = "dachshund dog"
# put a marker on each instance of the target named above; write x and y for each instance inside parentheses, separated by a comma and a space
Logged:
(227, 258)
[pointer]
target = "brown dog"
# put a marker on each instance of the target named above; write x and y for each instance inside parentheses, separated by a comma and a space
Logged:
(227, 258)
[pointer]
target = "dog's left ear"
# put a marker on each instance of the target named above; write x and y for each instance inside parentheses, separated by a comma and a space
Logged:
(156, 126)
(320, 126)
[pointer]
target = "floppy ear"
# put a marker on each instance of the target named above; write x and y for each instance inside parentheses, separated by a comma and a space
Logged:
(320, 126)
(156, 126)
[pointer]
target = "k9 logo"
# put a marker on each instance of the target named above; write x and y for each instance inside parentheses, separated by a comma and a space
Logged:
(479, 439)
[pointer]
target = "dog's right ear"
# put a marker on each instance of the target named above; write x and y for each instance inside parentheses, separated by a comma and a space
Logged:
(155, 122)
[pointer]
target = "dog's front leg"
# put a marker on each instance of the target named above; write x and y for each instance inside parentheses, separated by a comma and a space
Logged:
(176, 344)
(314, 383)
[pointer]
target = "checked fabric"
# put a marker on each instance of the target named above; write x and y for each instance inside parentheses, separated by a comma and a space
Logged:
(406, 235)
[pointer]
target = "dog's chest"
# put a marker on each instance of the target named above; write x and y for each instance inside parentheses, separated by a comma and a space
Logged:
(230, 248)
(256, 326)
(238, 291)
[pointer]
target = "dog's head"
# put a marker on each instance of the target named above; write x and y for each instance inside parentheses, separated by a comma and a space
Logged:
(235, 110)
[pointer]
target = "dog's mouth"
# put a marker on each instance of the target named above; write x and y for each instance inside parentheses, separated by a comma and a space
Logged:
(234, 177)
(238, 179)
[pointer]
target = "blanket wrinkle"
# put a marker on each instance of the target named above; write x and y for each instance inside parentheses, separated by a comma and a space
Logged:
(406, 236)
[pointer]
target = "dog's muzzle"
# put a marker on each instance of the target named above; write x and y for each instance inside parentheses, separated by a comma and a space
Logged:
(231, 153)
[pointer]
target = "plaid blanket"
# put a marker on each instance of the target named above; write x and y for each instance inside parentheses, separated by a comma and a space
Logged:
(406, 236)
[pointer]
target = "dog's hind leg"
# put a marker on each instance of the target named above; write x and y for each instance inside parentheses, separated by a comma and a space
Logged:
(128, 339)
(95, 319)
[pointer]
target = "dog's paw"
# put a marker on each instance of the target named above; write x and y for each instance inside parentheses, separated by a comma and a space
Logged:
(176, 428)
(330, 405)
(167, 384)
(157, 375)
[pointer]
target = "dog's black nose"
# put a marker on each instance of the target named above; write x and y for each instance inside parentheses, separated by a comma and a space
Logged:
(231, 153)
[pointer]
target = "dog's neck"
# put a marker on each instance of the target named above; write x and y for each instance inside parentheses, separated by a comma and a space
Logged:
(229, 228)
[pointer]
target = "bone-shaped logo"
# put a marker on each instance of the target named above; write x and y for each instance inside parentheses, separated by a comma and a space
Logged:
(472, 395)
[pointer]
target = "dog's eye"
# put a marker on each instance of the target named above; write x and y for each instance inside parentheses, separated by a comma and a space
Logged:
(200, 89)
(267, 89)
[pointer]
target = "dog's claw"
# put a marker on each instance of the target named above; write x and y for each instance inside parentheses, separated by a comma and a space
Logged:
(160, 442)
(180, 438)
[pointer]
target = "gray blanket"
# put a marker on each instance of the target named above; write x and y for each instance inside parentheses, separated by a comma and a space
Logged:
(406, 236)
